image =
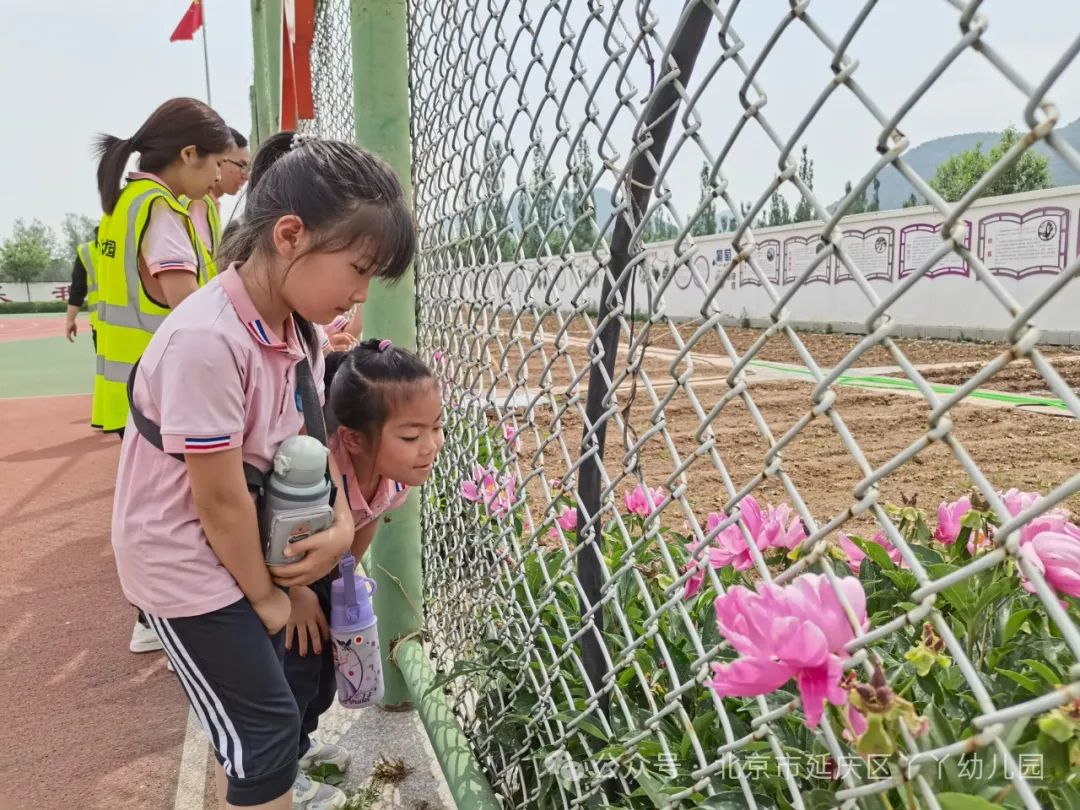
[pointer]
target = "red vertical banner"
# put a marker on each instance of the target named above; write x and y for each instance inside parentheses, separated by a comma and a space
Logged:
(297, 34)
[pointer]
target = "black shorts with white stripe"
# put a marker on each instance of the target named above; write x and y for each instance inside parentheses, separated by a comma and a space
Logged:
(231, 671)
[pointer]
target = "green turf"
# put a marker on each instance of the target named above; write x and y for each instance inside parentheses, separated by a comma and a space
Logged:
(47, 367)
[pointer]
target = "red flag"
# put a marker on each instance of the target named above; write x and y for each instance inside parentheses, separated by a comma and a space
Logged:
(190, 23)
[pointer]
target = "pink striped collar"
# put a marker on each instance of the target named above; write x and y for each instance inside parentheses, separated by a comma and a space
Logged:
(259, 330)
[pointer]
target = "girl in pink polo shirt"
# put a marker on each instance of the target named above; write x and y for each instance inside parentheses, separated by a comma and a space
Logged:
(384, 417)
(220, 379)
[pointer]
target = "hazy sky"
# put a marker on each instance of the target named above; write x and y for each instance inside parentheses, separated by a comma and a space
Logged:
(74, 69)
(77, 68)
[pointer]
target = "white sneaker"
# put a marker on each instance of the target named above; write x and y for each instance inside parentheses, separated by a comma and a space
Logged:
(311, 795)
(144, 639)
(321, 753)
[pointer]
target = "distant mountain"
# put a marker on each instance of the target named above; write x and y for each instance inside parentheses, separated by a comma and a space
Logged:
(926, 157)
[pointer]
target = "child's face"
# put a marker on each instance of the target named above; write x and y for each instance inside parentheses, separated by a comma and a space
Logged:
(321, 286)
(412, 437)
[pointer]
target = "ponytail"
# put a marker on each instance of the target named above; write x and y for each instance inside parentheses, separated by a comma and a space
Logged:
(114, 154)
(175, 125)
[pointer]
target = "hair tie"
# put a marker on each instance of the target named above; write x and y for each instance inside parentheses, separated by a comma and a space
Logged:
(299, 139)
(384, 344)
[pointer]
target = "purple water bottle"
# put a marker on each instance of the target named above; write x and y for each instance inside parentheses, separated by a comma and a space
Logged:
(355, 636)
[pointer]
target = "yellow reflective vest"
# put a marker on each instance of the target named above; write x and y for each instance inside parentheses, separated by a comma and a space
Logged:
(126, 316)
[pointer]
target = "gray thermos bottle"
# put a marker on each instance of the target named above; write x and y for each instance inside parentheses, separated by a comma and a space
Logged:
(296, 498)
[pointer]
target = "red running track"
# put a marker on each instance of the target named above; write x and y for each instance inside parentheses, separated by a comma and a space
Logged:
(88, 724)
(32, 328)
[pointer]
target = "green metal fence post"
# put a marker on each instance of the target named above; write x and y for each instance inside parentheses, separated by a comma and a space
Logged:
(381, 102)
(260, 121)
(272, 22)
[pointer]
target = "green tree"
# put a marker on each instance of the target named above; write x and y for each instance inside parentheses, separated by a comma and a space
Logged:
(536, 207)
(779, 212)
(27, 253)
(659, 227)
(804, 211)
(494, 223)
(911, 201)
(958, 175)
(76, 229)
(860, 204)
(706, 222)
(580, 204)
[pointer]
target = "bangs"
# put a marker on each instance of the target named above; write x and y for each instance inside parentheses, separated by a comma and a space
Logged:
(392, 229)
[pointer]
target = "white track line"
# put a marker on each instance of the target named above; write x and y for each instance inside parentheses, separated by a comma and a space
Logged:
(191, 781)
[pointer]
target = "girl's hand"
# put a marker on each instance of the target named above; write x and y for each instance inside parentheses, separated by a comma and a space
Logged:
(324, 550)
(273, 610)
(342, 342)
(307, 622)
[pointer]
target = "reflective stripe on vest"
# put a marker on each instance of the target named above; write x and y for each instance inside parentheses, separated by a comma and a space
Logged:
(86, 256)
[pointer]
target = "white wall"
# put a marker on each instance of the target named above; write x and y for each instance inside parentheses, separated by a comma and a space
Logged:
(1025, 241)
(39, 291)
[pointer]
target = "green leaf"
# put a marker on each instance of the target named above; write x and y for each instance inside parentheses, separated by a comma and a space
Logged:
(992, 594)
(875, 552)
(1023, 680)
(1055, 758)
(963, 801)
(1015, 622)
(328, 773)
(1047, 674)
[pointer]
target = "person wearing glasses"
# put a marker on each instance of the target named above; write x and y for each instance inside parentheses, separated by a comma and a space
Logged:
(206, 213)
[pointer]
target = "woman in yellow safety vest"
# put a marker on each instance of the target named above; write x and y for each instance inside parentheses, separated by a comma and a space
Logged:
(149, 255)
(206, 213)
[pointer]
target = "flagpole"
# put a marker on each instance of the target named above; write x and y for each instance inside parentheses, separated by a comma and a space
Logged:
(206, 55)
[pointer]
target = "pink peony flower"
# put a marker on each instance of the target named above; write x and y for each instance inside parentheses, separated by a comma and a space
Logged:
(795, 631)
(714, 557)
(567, 520)
(1057, 556)
(637, 501)
(729, 547)
(855, 555)
(497, 492)
(1052, 520)
(781, 528)
(948, 520)
(482, 483)
(512, 437)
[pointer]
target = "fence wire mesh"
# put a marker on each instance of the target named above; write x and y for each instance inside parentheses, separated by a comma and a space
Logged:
(331, 73)
(613, 467)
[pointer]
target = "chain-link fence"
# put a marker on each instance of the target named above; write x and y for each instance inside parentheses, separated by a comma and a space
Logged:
(679, 561)
(331, 73)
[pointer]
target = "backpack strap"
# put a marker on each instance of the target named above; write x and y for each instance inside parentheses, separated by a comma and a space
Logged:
(150, 431)
(314, 421)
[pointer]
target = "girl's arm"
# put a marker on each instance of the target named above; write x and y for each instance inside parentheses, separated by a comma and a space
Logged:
(362, 539)
(227, 513)
(177, 285)
(169, 255)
